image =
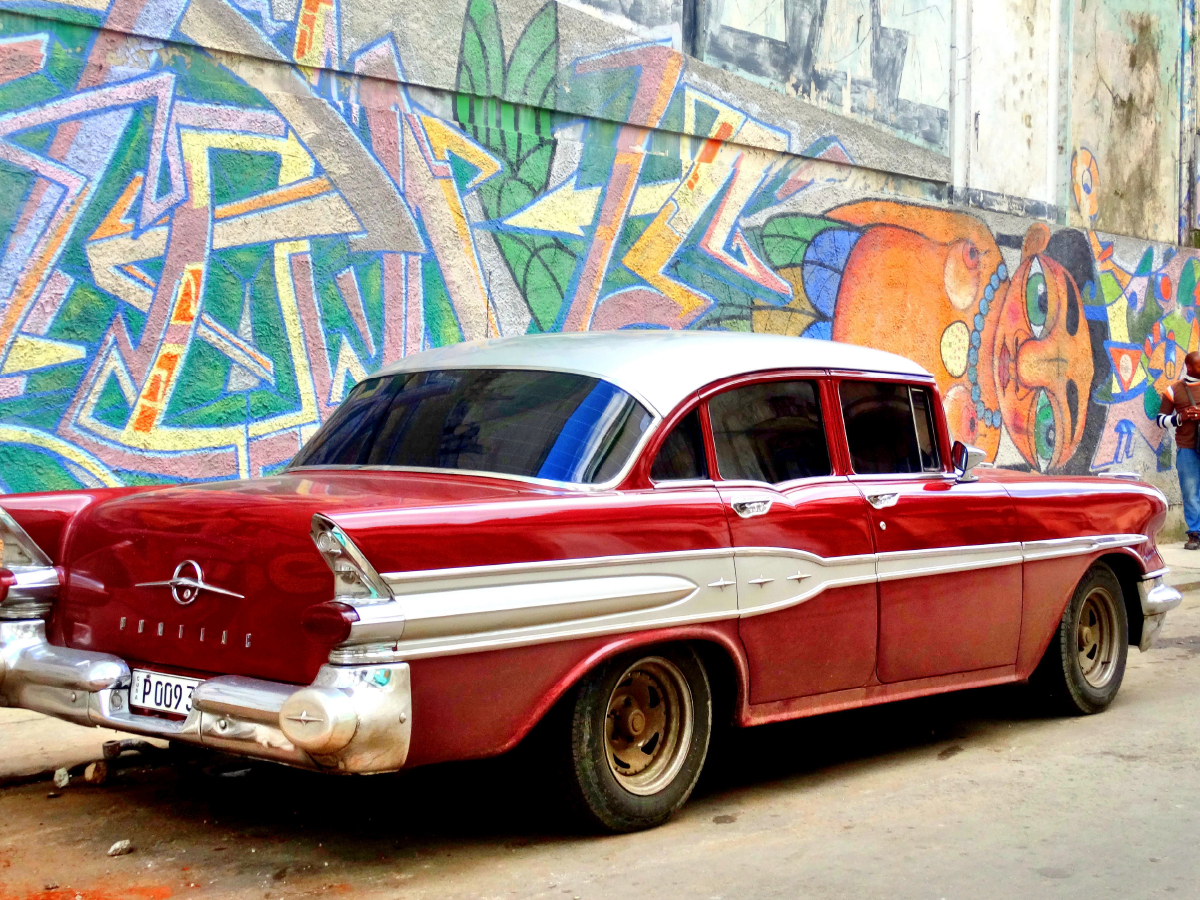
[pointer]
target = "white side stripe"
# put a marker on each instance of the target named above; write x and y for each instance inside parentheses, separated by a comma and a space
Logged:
(467, 609)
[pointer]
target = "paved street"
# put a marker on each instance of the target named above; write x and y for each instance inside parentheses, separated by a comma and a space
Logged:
(974, 795)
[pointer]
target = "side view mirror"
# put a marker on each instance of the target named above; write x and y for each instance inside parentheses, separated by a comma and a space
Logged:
(965, 458)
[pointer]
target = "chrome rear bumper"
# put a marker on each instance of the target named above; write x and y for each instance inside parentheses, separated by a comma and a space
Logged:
(351, 719)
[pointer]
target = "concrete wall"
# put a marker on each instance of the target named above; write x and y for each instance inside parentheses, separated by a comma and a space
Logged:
(217, 216)
(1125, 110)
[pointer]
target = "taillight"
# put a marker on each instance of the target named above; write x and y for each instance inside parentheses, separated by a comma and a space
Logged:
(28, 580)
(328, 623)
(354, 578)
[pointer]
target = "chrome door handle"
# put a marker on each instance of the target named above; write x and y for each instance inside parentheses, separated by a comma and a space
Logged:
(883, 501)
(748, 509)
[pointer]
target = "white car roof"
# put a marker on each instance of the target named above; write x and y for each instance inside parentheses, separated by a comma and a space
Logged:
(659, 367)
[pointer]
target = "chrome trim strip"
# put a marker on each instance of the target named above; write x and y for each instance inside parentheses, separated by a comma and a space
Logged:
(397, 580)
(1157, 573)
(1059, 547)
(472, 608)
(941, 561)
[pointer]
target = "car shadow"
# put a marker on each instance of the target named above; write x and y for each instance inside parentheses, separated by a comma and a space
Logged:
(817, 745)
(510, 800)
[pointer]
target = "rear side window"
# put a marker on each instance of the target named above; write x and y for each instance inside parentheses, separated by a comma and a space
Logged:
(554, 425)
(681, 456)
(889, 428)
(770, 432)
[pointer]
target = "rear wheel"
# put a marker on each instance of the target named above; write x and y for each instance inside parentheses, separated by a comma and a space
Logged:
(1085, 662)
(639, 734)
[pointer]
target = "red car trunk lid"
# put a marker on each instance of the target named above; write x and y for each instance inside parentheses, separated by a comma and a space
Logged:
(249, 539)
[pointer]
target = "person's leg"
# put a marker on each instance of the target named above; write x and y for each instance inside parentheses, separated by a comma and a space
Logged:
(1188, 463)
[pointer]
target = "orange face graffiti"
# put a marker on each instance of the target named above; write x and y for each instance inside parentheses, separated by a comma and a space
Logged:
(1009, 351)
(1041, 360)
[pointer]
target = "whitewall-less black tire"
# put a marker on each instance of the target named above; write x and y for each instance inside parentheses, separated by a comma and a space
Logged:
(639, 732)
(1085, 662)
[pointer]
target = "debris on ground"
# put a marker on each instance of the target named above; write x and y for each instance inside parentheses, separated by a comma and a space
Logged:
(61, 778)
(53, 795)
(50, 886)
(113, 749)
(120, 848)
(96, 773)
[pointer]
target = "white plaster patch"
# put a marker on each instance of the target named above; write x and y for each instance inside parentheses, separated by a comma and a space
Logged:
(762, 17)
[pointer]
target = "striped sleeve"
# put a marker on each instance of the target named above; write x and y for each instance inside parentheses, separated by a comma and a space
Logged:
(1167, 417)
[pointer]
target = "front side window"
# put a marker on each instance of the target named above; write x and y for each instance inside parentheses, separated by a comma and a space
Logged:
(554, 425)
(681, 456)
(769, 432)
(889, 428)
(922, 402)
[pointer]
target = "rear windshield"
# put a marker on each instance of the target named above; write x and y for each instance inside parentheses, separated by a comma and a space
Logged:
(552, 425)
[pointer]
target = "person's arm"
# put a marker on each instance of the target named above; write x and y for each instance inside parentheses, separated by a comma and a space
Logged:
(1167, 416)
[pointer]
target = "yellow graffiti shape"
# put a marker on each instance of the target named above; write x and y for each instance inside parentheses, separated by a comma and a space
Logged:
(565, 209)
(444, 140)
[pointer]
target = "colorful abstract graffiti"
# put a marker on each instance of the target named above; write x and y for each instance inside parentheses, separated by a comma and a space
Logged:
(204, 248)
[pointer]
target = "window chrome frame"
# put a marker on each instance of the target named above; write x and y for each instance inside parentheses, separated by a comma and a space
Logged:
(817, 376)
(690, 405)
(937, 450)
(841, 378)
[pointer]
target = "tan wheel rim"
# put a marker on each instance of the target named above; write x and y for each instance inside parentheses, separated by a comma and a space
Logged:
(648, 726)
(1096, 637)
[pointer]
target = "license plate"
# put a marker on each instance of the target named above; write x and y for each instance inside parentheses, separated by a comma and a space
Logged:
(164, 693)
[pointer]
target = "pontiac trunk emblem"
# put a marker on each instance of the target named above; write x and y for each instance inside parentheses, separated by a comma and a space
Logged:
(187, 583)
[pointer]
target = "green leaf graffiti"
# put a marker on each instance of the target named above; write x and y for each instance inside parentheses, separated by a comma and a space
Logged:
(786, 238)
(504, 107)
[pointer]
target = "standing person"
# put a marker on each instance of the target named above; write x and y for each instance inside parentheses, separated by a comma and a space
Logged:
(1180, 407)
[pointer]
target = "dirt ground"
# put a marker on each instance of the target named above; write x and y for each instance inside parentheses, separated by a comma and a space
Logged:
(975, 795)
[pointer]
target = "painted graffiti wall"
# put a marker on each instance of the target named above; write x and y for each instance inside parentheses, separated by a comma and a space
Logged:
(203, 249)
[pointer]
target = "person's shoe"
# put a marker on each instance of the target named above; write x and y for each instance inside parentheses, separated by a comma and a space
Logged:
(1193, 541)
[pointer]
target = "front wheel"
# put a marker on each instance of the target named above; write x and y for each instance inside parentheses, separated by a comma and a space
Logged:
(1085, 662)
(639, 735)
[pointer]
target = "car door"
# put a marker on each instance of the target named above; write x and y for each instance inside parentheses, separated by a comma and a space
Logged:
(803, 555)
(948, 557)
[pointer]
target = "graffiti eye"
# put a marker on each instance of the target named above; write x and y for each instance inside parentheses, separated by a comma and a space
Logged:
(1043, 431)
(1036, 302)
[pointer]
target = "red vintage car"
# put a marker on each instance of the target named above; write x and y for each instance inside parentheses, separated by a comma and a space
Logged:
(628, 535)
